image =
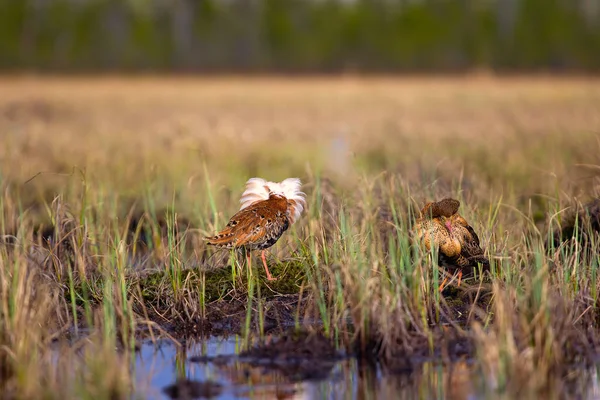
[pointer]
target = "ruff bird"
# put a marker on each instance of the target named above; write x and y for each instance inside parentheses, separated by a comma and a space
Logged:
(441, 227)
(267, 210)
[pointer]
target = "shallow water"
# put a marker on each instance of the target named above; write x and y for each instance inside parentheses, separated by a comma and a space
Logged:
(160, 366)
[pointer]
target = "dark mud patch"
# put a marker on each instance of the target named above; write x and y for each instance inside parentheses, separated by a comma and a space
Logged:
(299, 356)
(185, 389)
(446, 344)
(229, 317)
(305, 355)
(301, 344)
(295, 355)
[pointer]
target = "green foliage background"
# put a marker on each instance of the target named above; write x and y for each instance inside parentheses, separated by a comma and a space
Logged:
(300, 35)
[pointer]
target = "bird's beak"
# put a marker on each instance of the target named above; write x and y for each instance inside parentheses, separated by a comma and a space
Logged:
(449, 226)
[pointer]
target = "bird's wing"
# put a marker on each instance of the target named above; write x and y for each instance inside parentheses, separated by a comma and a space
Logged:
(229, 236)
(472, 250)
(473, 234)
(254, 224)
(264, 225)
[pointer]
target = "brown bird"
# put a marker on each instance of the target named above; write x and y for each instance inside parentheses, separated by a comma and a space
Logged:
(267, 210)
(456, 241)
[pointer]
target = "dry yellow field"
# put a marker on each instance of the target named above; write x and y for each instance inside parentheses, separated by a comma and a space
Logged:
(124, 130)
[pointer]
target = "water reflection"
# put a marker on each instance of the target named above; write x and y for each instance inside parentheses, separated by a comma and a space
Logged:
(216, 361)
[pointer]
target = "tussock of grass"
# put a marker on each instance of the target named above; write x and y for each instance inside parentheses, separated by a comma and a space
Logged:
(113, 249)
(534, 342)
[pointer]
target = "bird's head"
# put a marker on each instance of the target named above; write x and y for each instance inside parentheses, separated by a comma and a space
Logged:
(449, 226)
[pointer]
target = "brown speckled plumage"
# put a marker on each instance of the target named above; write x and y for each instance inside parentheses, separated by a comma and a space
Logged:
(257, 227)
(440, 225)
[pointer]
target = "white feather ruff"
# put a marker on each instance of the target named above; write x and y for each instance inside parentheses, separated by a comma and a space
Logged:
(258, 189)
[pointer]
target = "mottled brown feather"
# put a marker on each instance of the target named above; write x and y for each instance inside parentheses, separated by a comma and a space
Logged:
(459, 246)
(447, 207)
(443, 208)
(255, 227)
(471, 252)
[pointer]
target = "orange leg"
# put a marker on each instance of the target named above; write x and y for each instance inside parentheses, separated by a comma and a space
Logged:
(443, 283)
(249, 262)
(459, 277)
(269, 277)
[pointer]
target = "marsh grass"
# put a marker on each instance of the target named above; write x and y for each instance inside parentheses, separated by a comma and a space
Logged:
(102, 255)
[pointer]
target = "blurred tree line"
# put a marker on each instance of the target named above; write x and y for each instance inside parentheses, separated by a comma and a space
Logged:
(300, 35)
